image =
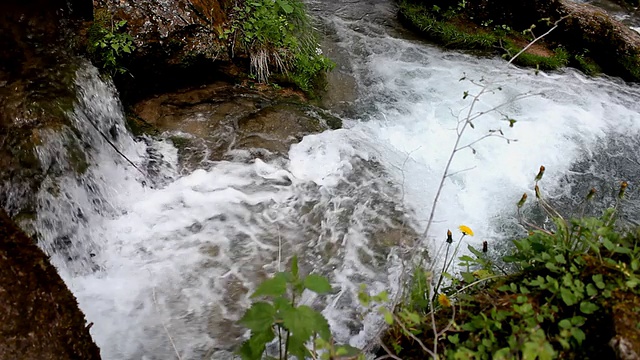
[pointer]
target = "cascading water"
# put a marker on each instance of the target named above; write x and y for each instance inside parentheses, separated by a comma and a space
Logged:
(180, 259)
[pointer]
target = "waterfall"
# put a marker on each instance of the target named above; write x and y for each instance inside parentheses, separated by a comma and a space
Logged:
(156, 259)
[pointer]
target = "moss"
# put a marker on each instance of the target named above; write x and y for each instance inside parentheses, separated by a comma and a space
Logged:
(447, 31)
(558, 59)
(480, 27)
(77, 157)
(180, 143)
(587, 65)
(138, 126)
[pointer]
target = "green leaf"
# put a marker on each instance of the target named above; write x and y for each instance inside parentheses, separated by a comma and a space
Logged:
(565, 324)
(388, 316)
(597, 279)
(468, 277)
(276, 286)
(303, 321)
(297, 346)
(588, 307)
(608, 244)
(578, 335)
(591, 290)
(318, 284)
(259, 317)
(347, 351)
(253, 348)
(568, 296)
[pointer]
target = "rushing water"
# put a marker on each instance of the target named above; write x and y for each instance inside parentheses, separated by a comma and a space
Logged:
(162, 260)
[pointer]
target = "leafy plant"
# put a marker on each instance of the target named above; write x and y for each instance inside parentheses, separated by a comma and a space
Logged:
(554, 302)
(278, 34)
(294, 326)
(109, 44)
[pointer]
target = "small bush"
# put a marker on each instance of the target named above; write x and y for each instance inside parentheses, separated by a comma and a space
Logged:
(109, 44)
(277, 34)
(559, 294)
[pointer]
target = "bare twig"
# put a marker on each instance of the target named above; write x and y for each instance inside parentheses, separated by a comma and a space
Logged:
(389, 354)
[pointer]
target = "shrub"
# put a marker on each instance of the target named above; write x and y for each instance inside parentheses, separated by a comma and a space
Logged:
(278, 34)
(109, 44)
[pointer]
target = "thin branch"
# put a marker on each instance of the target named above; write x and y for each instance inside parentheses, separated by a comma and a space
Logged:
(389, 354)
(410, 334)
(555, 26)
(461, 171)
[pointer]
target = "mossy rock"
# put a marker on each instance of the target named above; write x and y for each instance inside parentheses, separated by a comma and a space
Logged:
(582, 29)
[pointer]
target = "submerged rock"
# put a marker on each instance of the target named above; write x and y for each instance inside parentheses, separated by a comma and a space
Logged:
(39, 316)
(222, 121)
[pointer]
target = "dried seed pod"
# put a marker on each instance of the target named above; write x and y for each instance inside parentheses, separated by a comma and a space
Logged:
(449, 237)
(540, 173)
(485, 246)
(538, 196)
(623, 189)
(523, 199)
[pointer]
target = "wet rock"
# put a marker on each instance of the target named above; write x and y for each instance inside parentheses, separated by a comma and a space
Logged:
(39, 316)
(583, 29)
(223, 121)
(37, 69)
(613, 45)
(177, 43)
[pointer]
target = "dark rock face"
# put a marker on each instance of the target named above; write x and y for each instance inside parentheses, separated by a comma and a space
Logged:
(177, 43)
(39, 317)
(37, 68)
(614, 46)
(582, 29)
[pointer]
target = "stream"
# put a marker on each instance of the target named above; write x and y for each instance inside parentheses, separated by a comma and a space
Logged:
(157, 257)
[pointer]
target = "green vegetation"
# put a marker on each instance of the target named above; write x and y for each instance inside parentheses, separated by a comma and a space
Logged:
(559, 294)
(453, 28)
(292, 324)
(278, 35)
(109, 44)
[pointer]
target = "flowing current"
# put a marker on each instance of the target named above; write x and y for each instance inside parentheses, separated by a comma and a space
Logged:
(170, 260)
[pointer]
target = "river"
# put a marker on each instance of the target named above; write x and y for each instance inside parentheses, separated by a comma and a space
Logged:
(165, 260)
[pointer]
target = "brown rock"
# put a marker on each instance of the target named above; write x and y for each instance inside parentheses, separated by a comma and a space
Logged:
(39, 316)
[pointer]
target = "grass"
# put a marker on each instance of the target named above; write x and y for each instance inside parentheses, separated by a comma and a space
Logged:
(454, 30)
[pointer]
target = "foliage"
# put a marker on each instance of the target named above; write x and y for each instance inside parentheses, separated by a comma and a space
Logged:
(109, 44)
(452, 28)
(278, 33)
(433, 23)
(556, 301)
(559, 58)
(294, 325)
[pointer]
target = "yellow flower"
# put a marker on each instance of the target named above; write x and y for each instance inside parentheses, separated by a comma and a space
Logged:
(466, 230)
(444, 301)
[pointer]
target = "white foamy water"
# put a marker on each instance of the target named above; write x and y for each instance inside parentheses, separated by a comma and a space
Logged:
(181, 258)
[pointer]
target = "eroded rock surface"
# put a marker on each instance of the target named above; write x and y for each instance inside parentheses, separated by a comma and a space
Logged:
(223, 121)
(39, 316)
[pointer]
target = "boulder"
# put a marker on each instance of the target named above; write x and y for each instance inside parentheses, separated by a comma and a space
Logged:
(584, 30)
(39, 316)
(177, 43)
(37, 69)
